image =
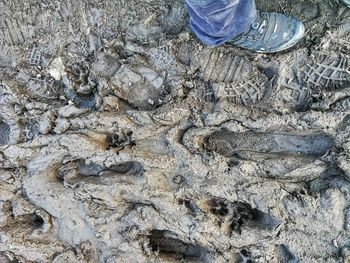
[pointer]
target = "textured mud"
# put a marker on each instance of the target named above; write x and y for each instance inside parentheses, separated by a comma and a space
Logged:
(124, 139)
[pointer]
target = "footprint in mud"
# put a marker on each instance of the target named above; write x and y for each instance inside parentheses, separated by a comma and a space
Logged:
(330, 72)
(174, 21)
(35, 57)
(144, 35)
(311, 78)
(258, 91)
(7, 58)
(4, 132)
(106, 65)
(293, 97)
(247, 93)
(80, 171)
(16, 32)
(214, 65)
(163, 60)
(304, 10)
(343, 28)
(342, 105)
(236, 215)
(165, 20)
(237, 80)
(246, 145)
(231, 77)
(121, 172)
(141, 87)
(44, 88)
(267, 154)
(168, 245)
(11, 128)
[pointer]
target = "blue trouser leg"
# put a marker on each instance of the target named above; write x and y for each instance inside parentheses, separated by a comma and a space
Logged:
(217, 21)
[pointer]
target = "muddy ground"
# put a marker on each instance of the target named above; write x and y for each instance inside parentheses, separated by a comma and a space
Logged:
(124, 139)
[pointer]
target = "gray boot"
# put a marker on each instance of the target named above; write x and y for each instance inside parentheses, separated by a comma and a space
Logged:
(270, 33)
(347, 2)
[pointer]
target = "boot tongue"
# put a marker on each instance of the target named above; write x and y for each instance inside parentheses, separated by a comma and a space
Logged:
(257, 27)
(260, 23)
(270, 33)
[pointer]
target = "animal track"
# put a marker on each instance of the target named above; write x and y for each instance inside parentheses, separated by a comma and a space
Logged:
(82, 101)
(120, 140)
(82, 86)
(235, 215)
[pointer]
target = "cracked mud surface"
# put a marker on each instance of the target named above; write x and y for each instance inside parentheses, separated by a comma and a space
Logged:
(124, 139)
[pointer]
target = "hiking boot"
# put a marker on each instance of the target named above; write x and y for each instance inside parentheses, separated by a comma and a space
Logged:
(270, 33)
(347, 2)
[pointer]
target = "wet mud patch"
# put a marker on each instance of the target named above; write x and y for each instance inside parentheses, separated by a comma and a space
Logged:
(119, 127)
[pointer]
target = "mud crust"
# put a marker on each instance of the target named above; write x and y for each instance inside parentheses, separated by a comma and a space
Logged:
(124, 139)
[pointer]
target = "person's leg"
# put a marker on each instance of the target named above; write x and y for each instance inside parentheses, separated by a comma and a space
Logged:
(237, 22)
(217, 21)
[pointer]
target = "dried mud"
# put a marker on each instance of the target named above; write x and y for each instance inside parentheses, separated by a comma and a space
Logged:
(124, 139)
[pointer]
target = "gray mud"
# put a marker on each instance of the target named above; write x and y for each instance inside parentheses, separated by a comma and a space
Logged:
(124, 139)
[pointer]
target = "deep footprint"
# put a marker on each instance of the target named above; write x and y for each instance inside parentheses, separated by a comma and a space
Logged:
(81, 171)
(213, 65)
(232, 144)
(239, 215)
(168, 245)
(328, 72)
